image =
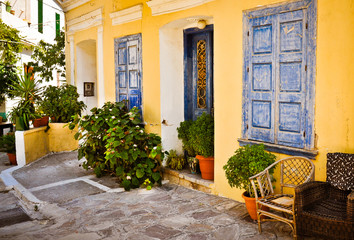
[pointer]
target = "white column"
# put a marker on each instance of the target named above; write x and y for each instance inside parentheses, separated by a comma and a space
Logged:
(72, 60)
(100, 74)
(20, 148)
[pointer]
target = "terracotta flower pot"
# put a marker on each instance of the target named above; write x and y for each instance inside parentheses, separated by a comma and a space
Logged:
(206, 165)
(12, 158)
(37, 122)
(44, 121)
(251, 206)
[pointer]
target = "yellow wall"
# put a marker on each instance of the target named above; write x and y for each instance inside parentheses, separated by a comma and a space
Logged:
(39, 143)
(36, 144)
(334, 111)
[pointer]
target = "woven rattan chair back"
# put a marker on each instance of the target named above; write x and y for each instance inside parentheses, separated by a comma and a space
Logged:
(293, 172)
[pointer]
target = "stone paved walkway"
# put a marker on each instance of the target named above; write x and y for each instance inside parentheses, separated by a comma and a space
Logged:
(73, 205)
(167, 212)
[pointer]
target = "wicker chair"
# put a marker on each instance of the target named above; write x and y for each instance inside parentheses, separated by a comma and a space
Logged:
(326, 209)
(279, 207)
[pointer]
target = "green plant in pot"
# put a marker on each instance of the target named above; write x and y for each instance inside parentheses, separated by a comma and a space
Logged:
(61, 103)
(28, 91)
(246, 162)
(8, 145)
(184, 134)
(202, 141)
(175, 161)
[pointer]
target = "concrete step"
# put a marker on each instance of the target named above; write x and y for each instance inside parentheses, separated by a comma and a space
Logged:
(186, 179)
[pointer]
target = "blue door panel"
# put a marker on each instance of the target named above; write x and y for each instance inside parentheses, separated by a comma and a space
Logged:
(198, 46)
(128, 69)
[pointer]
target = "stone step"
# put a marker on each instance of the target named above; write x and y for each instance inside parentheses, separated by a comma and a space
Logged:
(186, 179)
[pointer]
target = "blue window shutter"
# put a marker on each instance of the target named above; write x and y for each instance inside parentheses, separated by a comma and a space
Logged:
(291, 84)
(279, 74)
(128, 70)
(261, 78)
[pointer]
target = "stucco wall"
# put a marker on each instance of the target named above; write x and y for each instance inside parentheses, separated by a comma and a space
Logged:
(334, 114)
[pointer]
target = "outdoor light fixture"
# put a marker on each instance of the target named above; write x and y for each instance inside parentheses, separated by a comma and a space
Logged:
(201, 24)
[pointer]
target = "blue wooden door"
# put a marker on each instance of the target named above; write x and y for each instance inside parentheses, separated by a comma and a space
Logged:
(199, 73)
(128, 64)
(276, 78)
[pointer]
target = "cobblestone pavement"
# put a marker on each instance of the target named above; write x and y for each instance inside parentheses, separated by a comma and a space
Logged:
(79, 209)
(167, 212)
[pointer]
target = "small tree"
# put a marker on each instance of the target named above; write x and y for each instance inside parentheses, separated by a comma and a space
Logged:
(10, 46)
(49, 57)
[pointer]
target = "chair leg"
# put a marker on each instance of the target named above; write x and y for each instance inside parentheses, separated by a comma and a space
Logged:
(259, 222)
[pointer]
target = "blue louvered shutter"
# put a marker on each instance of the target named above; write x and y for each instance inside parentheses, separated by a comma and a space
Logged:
(261, 79)
(291, 83)
(128, 70)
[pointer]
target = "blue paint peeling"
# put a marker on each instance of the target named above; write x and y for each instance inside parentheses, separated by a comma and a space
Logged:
(278, 74)
(128, 67)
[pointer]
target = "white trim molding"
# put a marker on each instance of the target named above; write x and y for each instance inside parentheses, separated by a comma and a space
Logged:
(71, 4)
(159, 7)
(85, 21)
(72, 60)
(127, 15)
(100, 64)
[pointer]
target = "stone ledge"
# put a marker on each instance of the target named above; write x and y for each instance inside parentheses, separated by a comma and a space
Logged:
(188, 180)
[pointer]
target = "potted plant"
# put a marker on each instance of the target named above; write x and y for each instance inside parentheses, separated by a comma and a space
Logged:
(184, 135)
(61, 103)
(202, 142)
(8, 145)
(246, 162)
(28, 91)
(175, 161)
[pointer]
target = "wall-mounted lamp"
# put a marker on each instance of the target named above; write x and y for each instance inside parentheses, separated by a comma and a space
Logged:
(201, 24)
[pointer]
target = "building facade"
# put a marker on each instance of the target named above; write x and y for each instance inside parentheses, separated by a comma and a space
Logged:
(272, 72)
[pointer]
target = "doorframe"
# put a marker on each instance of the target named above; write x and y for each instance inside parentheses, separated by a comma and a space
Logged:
(188, 67)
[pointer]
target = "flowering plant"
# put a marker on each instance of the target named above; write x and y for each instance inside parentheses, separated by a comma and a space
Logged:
(115, 143)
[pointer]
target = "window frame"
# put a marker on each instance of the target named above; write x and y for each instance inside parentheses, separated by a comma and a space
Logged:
(309, 149)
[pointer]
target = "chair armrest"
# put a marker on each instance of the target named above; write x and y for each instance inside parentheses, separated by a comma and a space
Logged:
(310, 192)
(350, 207)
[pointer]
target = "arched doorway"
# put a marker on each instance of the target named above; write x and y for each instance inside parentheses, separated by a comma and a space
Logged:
(86, 73)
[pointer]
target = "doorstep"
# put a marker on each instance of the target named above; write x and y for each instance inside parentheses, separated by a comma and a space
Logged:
(186, 179)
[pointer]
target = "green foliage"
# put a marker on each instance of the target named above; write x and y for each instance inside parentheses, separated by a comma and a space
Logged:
(28, 92)
(202, 135)
(114, 143)
(10, 46)
(8, 143)
(184, 135)
(198, 136)
(61, 103)
(246, 162)
(49, 57)
(174, 161)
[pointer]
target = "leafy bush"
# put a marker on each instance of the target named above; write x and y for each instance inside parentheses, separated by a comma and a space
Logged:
(174, 161)
(8, 143)
(202, 135)
(184, 135)
(114, 143)
(198, 136)
(246, 162)
(61, 103)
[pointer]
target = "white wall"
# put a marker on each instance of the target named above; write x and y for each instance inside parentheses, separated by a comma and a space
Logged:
(172, 79)
(86, 71)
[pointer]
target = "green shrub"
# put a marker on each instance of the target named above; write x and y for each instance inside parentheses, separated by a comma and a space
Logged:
(202, 135)
(61, 103)
(184, 135)
(174, 161)
(198, 136)
(246, 162)
(8, 143)
(114, 143)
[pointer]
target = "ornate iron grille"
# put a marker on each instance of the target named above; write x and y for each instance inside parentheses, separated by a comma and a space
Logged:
(201, 82)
